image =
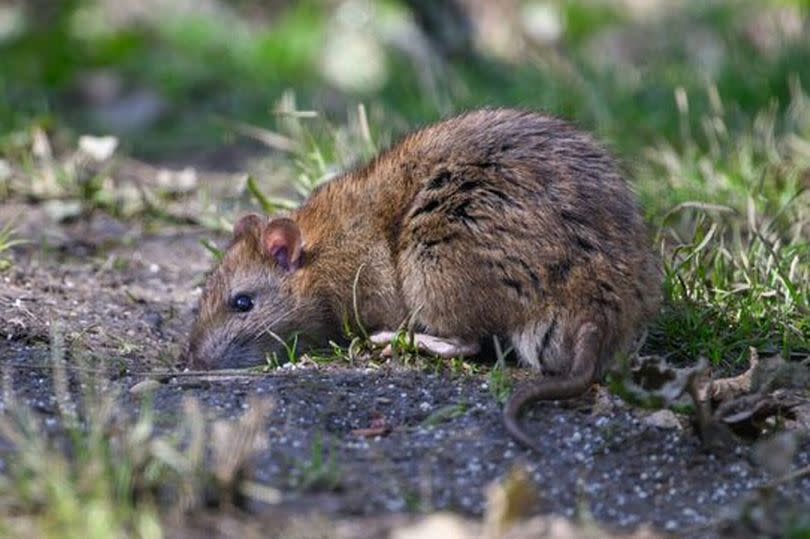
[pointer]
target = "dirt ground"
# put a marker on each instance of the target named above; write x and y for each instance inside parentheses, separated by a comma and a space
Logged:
(125, 294)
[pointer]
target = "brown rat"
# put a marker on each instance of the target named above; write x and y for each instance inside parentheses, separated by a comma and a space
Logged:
(495, 222)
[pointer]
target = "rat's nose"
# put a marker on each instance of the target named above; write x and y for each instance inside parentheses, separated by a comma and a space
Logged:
(194, 359)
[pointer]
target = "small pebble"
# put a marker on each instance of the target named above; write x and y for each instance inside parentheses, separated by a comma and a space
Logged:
(145, 386)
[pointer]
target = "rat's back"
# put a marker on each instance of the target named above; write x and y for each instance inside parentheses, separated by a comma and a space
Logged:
(522, 226)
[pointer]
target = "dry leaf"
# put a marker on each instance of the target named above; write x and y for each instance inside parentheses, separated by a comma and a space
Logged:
(5, 170)
(41, 146)
(508, 501)
(557, 527)
(62, 210)
(662, 419)
(746, 415)
(654, 380)
(379, 426)
(726, 388)
(98, 148)
(802, 416)
(177, 182)
(439, 525)
(145, 386)
(604, 402)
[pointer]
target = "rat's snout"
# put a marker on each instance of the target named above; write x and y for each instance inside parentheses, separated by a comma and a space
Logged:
(205, 348)
(194, 359)
(209, 351)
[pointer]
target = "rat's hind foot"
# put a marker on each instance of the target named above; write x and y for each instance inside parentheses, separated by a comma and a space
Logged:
(429, 344)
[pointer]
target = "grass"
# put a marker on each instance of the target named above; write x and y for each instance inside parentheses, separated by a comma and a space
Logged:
(290, 354)
(211, 67)
(720, 158)
(320, 472)
(8, 239)
(444, 414)
(111, 473)
(499, 384)
(735, 243)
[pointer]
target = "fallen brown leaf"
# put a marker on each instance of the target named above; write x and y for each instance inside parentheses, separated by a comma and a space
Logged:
(726, 388)
(508, 501)
(662, 419)
(378, 426)
(746, 415)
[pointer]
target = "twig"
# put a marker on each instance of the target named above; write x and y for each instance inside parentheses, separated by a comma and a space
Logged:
(787, 478)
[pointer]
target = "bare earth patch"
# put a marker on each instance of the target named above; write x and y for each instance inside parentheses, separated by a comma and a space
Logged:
(123, 298)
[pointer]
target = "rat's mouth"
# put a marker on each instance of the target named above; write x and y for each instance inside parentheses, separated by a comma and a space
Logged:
(264, 350)
(241, 356)
(235, 355)
(254, 353)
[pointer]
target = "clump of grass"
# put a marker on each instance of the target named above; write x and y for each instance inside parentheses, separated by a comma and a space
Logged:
(735, 247)
(318, 473)
(71, 179)
(729, 289)
(403, 345)
(499, 384)
(732, 162)
(8, 239)
(104, 474)
(77, 178)
(274, 360)
(404, 349)
(318, 149)
(216, 253)
(445, 414)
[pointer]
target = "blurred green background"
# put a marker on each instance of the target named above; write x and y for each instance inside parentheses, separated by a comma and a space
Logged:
(164, 74)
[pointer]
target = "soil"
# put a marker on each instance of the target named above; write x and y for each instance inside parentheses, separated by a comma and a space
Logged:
(123, 295)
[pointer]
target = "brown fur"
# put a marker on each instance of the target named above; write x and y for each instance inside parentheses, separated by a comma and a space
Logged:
(496, 222)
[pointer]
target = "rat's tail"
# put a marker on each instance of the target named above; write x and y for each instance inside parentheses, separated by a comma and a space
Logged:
(576, 382)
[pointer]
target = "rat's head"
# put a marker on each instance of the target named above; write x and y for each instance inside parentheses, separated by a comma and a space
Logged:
(249, 305)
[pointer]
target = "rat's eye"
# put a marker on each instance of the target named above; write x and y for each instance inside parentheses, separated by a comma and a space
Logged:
(241, 303)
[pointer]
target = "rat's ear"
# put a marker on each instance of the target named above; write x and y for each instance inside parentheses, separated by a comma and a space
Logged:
(250, 223)
(281, 240)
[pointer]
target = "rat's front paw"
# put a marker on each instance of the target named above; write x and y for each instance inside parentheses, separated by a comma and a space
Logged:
(429, 344)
